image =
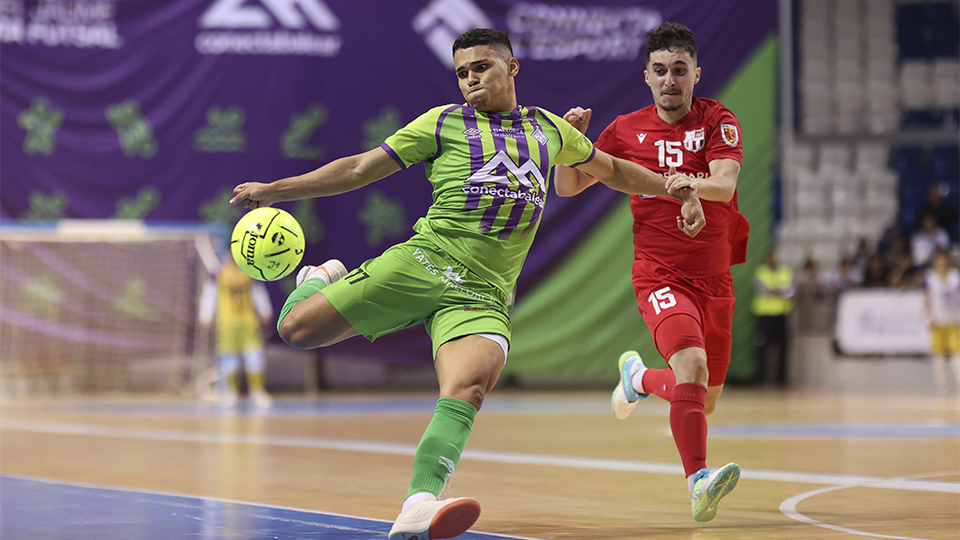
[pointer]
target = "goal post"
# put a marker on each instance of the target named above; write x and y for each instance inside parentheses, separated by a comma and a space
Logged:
(104, 305)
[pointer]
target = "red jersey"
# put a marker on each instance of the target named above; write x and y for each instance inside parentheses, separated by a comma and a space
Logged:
(709, 131)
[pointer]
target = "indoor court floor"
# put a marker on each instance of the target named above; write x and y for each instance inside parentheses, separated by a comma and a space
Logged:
(544, 465)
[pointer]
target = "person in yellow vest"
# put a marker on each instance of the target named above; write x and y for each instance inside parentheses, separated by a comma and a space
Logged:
(772, 304)
(241, 306)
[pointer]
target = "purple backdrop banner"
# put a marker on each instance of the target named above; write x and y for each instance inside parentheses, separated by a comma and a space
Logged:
(155, 109)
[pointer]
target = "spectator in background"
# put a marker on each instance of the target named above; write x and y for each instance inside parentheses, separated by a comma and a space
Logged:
(844, 277)
(862, 255)
(876, 272)
(902, 273)
(927, 239)
(894, 245)
(772, 305)
(942, 287)
(809, 285)
(946, 217)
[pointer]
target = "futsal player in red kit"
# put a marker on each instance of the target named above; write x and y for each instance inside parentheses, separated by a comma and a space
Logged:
(683, 285)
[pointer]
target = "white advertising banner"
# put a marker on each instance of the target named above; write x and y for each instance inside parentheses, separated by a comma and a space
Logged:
(885, 322)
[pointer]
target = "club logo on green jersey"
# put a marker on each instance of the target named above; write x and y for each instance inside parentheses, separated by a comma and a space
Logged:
(531, 182)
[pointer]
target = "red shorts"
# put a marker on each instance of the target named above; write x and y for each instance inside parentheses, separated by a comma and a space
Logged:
(686, 312)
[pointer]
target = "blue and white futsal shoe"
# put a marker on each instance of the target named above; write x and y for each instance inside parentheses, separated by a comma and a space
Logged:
(709, 487)
(625, 397)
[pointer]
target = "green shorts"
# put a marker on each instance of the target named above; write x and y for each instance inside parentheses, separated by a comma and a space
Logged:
(417, 282)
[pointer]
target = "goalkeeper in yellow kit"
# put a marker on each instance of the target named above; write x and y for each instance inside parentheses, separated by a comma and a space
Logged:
(241, 307)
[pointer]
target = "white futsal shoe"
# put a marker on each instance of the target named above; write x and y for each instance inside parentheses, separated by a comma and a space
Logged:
(432, 519)
(711, 486)
(625, 397)
(329, 272)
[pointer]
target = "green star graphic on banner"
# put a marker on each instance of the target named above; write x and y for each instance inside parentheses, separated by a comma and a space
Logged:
(383, 217)
(146, 200)
(295, 139)
(40, 121)
(43, 206)
(42, 297)
(135, 131)
(133, 301)
(376, 130)
(224, 132)
(313, 229)
(219, 209)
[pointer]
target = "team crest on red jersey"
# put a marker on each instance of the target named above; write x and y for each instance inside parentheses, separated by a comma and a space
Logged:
(693, 140)
(730, 134)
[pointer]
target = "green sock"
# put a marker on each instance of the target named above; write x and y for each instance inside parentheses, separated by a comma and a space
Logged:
(443, 441)
(309, 288)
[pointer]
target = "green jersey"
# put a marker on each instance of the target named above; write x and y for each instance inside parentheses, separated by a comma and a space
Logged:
(490, 173)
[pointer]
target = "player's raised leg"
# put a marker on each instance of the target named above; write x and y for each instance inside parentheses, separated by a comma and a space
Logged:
(468, 368)
(637, 381)
(307, 319)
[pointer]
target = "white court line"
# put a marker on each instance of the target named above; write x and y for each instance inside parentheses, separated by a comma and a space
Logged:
(346, 445)
(789, 508)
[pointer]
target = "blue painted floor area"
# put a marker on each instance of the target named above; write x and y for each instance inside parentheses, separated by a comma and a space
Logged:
(39, 510)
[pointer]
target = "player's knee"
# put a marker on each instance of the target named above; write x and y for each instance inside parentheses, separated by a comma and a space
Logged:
(471, 392)
(294, 331)
(690, 365)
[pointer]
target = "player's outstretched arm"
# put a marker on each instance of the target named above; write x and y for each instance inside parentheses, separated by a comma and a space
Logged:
(720, 186)
(629, 177)
(339, 176)
(626, 176)
(569, 181)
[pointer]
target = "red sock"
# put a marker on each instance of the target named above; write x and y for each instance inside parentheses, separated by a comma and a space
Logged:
(689, 425)
(659, 382)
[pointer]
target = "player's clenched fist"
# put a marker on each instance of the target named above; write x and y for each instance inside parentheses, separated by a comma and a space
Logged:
(691, 221)
(251, 195)
(579, 118)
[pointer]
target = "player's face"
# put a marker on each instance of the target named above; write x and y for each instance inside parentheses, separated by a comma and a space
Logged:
(486, 78)
(671, 76)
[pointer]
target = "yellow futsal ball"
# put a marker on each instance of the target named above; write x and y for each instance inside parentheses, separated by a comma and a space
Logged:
(267, 244)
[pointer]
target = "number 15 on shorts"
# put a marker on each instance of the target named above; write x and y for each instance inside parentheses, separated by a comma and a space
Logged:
(662, 299)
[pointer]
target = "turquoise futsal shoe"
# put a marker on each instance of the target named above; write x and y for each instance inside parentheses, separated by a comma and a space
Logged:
(625, 397)
(709, 487)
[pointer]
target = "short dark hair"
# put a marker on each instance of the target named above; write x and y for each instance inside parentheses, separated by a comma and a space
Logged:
(671, 37)
(484, 36)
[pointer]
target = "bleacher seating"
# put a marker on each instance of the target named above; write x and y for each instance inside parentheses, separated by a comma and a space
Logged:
(876, 69)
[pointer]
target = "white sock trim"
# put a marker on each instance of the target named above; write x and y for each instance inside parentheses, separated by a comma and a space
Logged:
(415, 498)
(637, 380)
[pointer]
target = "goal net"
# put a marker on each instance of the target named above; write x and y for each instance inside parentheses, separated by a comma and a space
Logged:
(95, 306)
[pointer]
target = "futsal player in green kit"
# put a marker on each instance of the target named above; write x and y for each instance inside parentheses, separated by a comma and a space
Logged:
(489, 161)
